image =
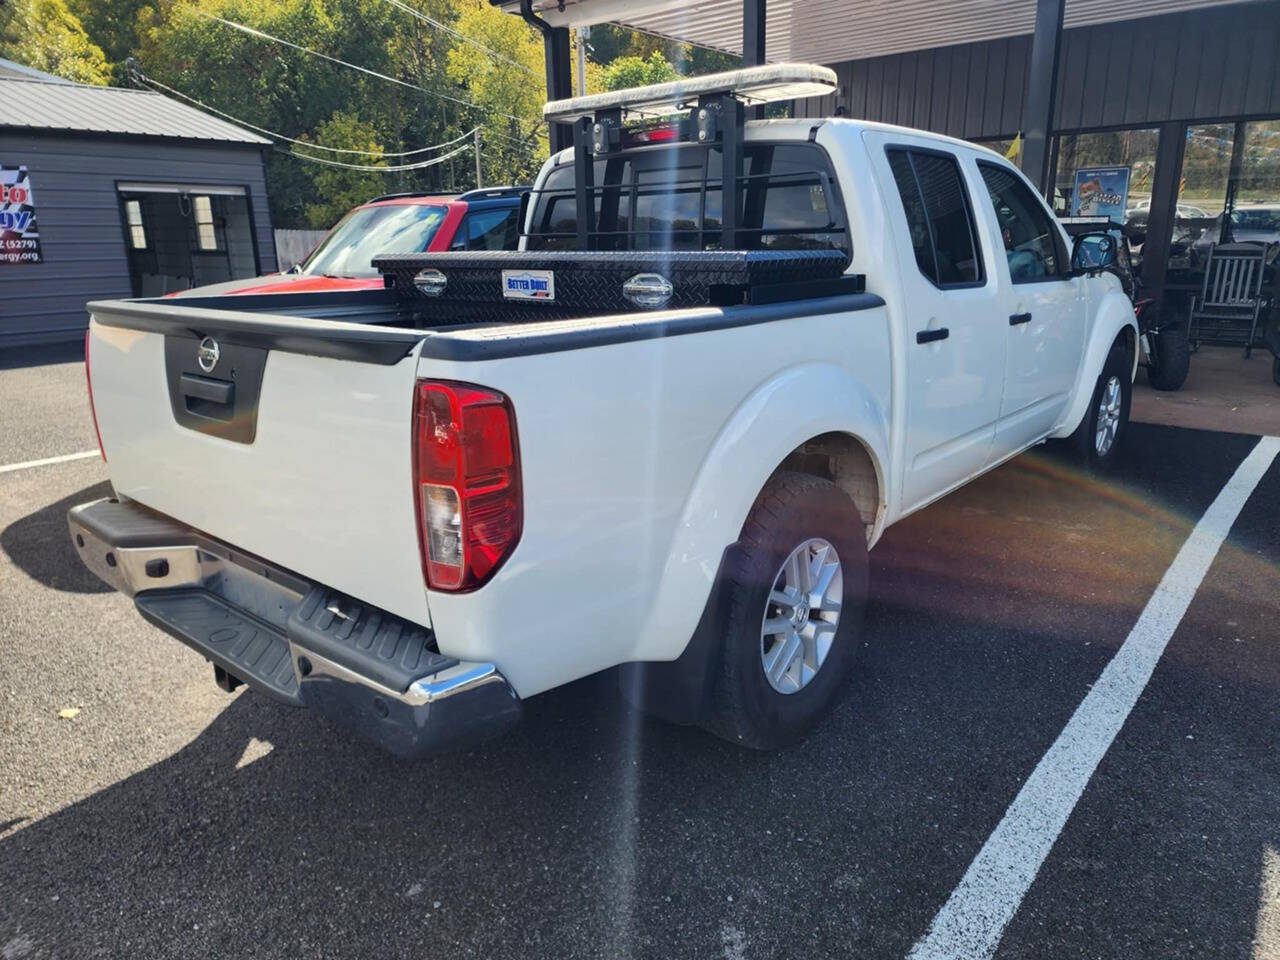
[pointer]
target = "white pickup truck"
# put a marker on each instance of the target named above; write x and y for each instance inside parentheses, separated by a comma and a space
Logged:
(412, 508)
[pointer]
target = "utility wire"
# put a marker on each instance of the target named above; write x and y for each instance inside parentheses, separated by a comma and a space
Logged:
(445, 28)
(377, 169)
(309, 144)
(254, 32)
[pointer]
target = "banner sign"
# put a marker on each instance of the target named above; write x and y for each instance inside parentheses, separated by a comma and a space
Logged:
(19, 237)
(1100, 192)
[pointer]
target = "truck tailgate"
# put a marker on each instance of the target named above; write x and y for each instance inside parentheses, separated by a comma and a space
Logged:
(310, 470)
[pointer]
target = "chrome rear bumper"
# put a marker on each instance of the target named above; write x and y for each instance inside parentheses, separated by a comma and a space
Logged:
(299, 642)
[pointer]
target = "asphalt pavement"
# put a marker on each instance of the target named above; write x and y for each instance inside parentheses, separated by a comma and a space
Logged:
(168, 819)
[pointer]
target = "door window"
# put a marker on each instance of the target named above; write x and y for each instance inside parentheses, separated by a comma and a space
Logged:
(488, 230)
(939, 216)
(1031, 241)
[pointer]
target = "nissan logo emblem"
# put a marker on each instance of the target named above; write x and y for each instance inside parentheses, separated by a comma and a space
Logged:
(207, 355)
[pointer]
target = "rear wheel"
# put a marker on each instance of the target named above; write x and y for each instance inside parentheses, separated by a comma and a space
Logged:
(796, 596)
(1172, 359)
(1095, 441)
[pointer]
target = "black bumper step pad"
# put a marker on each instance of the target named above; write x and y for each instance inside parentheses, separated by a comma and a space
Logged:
(372, 642)
(242, 645)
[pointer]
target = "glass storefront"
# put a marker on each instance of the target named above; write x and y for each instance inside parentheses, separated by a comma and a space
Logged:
(1125, 160)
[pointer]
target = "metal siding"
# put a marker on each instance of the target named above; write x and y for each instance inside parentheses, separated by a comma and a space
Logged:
(74, 180)
(924, 89)
(1015, 77)
(1181, 66)
(1261, 63)
(960, 57)
(906, 111)
(976, 90)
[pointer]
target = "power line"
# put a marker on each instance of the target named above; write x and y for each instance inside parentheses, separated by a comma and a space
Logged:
(309, 144)
(254, 32)
(377, 169)
(445, 28)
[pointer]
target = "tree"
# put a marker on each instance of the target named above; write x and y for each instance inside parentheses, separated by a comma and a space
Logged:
(631, 71)
(506, 81)
(338, 189)
(46, 35)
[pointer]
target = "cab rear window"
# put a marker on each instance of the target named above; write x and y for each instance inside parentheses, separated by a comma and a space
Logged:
(669, 198)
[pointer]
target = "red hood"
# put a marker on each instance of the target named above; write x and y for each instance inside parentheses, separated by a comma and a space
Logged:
(281, 283)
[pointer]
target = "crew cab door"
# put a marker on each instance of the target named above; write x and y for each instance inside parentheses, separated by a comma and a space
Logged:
(954, 331)
(1047, 309)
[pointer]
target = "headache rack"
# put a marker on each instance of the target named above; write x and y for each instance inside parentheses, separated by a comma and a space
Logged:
(714, 260)
(699, 111)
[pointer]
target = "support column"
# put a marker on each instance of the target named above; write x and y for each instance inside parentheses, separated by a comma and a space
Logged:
(1164, 207)
(753, 33)
(1042, 90)
(559, 81)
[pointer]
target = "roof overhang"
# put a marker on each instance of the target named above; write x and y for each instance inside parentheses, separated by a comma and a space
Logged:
(832, 31)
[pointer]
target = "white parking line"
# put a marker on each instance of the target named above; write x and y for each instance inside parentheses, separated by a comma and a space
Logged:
(971, 922)
(83, 455)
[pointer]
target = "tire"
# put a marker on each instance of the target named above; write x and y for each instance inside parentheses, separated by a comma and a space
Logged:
(1085, 445)
(795, 512)
(1172, 359)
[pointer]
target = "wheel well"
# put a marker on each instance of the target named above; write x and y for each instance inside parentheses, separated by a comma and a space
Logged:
(844, 460)
(1130, 341)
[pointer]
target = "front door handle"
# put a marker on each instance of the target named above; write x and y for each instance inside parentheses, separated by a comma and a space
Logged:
(1018, 318)
(928, 336)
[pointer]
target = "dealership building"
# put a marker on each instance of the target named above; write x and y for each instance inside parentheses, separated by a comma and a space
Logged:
(1173, 105)
(110, 192)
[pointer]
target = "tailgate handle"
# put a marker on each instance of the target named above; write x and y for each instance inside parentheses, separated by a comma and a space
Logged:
(206, 388)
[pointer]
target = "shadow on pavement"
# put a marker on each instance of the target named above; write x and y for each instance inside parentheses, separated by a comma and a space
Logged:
(40, 546)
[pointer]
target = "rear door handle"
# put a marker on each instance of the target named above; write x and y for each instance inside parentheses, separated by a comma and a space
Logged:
(928, 336)
(1018, 318)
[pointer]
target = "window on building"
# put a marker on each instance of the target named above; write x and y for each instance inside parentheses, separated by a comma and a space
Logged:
(137, 229)
(1031, 241)
(206, 230)
(939, 216)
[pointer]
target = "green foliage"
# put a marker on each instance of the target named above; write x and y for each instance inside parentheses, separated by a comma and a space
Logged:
(633, 71)
(46, 35)
(509, 83)
(338, 189)
(111, 23)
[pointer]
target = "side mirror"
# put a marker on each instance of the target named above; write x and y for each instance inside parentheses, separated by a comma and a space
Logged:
(1093, 253)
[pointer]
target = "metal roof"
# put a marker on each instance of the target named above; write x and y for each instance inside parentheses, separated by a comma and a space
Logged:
(832, 31)
(48, 105)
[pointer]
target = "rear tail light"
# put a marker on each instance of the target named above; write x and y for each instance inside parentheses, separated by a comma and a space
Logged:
(88, 377)
(466, 477)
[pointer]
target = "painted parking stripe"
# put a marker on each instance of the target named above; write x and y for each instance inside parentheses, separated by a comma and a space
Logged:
(971, 922)
(47, 461)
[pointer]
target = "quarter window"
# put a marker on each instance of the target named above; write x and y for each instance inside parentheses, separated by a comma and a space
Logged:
(939, 216)
(1030, 243)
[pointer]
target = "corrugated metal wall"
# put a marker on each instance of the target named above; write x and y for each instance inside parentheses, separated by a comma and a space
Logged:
(74, 181)
(1206, 64)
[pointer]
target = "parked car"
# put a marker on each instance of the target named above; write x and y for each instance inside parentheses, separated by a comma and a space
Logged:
(485, 219)
(1250, 223)
(413, 508)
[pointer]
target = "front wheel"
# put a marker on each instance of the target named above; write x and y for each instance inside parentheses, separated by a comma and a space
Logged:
(1096, 440)
(796, 595)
